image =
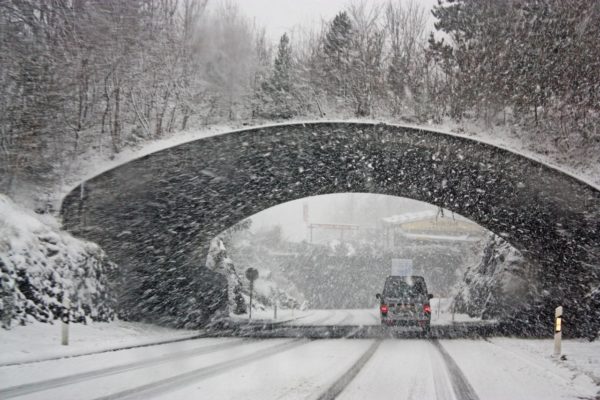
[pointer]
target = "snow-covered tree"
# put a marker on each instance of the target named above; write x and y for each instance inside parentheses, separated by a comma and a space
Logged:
(281, 99)
(218, 261)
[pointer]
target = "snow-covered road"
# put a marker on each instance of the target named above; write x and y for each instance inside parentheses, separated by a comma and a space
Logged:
(440, 315)
(230, 368)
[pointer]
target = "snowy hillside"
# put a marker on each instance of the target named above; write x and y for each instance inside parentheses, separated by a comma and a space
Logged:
(39, 263)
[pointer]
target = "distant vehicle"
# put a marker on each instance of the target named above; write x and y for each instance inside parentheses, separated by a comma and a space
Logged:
(405, 302)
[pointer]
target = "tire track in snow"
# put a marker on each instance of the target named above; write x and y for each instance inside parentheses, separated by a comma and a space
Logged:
(340, 384)
(165, 385)
(33, 387)
(461, 386)
(441, 376)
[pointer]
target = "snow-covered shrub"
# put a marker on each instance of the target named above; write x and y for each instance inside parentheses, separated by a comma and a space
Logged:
(266, 291)
(39, 264)
(218, 261)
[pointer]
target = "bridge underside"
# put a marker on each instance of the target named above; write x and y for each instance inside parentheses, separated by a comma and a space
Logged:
(156, 215)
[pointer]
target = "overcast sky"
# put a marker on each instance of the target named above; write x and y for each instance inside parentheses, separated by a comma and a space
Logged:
(280, 16)
(341, 208)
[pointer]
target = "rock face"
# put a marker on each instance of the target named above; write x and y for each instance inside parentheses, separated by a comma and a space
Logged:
(40, 264)
(506, 287)
(498, 285)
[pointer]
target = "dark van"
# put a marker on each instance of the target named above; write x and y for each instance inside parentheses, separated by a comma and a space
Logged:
(405, 302)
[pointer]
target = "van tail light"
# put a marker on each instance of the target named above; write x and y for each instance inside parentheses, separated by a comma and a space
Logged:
(427, 309)
(383, 308)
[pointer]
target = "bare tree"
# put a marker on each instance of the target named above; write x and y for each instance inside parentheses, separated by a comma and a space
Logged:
(366, 66)
(405, 23)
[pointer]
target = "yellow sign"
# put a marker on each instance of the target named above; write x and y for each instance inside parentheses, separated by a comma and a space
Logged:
(558, 324)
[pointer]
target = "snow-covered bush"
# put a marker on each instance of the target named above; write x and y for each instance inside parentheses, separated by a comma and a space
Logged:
(39, 264)
(267, 291)
(218, 261)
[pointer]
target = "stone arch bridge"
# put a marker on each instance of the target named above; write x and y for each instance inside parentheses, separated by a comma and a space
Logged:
(156, 215)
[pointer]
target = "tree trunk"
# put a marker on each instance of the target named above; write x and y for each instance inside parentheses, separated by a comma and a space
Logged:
(160, 116)
(116, 131)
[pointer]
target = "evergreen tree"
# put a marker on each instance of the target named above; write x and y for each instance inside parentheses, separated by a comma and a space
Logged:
(281, 81)
(337, 46)
(281, 99)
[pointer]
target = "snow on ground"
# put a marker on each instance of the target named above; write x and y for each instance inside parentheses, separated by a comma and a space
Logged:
(109, 383)
(267, 315)
(300, 373)
(314, 317)
(410, 369)
(505, 369)
(441, 314)
(338, 317)
(23, 374)
(230, 368)
(39, 341)
(581, 356)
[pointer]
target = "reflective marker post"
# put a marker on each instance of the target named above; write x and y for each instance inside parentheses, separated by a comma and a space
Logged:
(65, 322)
(557, 330)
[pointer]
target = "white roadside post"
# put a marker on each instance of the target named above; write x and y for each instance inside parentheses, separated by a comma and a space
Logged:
(274, 308)
(557, 330)
(65, 322)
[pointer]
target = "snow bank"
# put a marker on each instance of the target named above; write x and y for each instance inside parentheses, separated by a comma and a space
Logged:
(580, 356)
(39, 264)
(38, 341)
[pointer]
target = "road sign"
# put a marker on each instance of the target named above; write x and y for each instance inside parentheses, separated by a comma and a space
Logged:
(251, 275)
(402, 266)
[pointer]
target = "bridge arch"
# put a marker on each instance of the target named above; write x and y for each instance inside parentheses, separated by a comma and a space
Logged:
(158, 209)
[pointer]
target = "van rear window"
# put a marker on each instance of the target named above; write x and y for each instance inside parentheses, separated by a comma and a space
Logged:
(400, 288)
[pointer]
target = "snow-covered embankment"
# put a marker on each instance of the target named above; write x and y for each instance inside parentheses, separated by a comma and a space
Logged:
(39, 264)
